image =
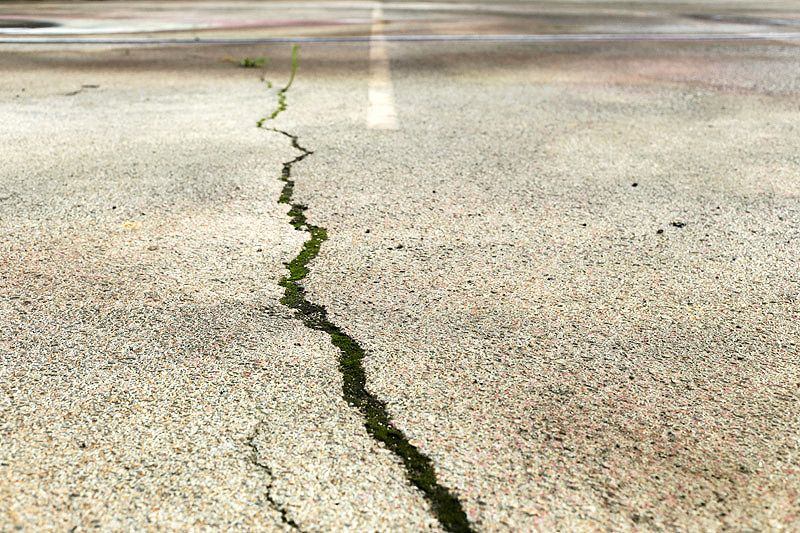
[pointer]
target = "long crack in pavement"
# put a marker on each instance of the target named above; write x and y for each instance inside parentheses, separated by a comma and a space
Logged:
(419, 467)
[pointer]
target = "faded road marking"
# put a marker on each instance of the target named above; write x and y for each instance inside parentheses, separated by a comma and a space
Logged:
(381, 113)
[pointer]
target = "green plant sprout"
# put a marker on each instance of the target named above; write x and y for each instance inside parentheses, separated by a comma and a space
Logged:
(282, 93)
(249, 62)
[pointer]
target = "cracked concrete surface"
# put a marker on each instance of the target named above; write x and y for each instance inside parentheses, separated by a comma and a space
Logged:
(573, 270)
(148, 371)
(419, 468)
(575, 275)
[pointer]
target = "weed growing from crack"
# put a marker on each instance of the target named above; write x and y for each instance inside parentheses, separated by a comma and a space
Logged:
(294, 69)
(282, 93)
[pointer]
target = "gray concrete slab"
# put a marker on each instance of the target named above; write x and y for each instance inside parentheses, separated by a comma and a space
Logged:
(572, 269)
(149, 378)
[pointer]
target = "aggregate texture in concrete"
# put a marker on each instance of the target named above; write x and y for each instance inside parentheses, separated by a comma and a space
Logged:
(574, 271)
(149, 377)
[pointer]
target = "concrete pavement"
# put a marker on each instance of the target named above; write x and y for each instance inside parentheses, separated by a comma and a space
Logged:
(150, 378)
(574, 272)
(571, 268)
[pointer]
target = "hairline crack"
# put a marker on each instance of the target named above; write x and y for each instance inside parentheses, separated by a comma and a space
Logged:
(285, 518)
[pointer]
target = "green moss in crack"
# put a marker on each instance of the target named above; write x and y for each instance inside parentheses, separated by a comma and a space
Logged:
(419, 467)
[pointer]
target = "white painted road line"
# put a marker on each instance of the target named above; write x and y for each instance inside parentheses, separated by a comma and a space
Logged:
(381, 113)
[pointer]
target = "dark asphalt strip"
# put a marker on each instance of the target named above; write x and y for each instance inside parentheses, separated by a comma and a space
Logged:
(524, 38)
(418, 466)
